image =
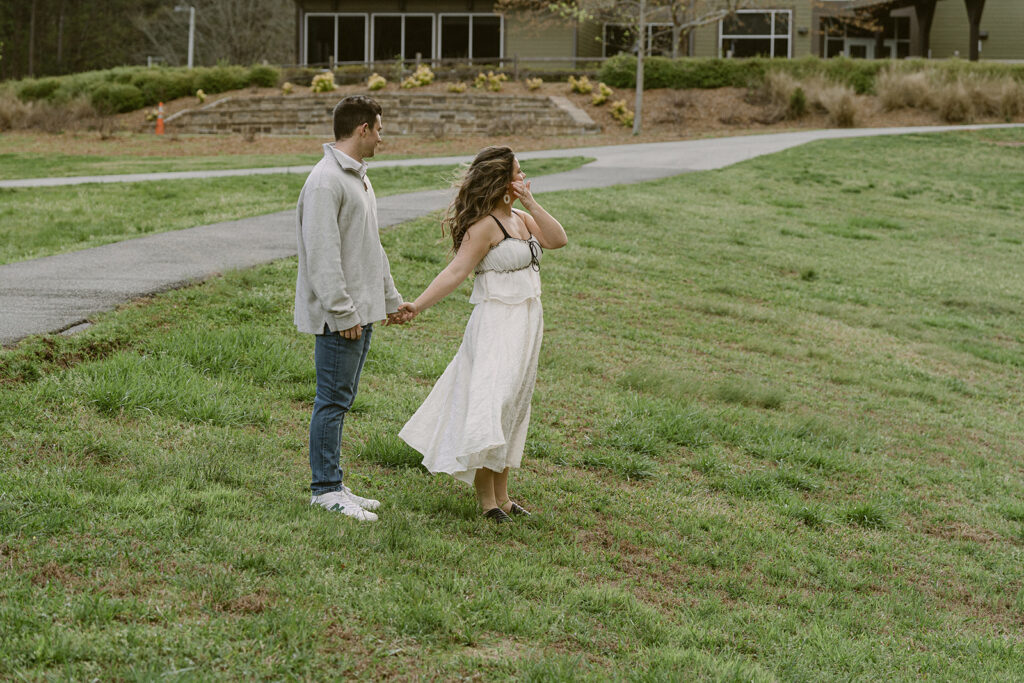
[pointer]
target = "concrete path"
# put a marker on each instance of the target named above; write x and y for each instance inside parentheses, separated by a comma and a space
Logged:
(59, 293)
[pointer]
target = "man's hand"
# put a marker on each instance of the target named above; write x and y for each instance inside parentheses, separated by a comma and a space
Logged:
(406, 312)
(353, 333)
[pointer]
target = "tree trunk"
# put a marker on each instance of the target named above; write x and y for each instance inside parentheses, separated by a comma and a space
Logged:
(974, 11)
(32, 40)
(925, 11)
(641, 49)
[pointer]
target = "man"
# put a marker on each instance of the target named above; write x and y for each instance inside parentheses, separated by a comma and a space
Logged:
(344, 285)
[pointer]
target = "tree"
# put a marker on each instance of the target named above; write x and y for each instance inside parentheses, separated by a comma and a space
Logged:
(54, 37)
(636, 16)
(233, 31)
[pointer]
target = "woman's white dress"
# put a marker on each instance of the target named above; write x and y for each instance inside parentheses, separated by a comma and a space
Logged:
(478, 412)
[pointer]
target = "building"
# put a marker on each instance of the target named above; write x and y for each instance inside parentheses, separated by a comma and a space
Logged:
(330, 31)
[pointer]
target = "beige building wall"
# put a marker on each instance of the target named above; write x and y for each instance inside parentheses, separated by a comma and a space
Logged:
(1003, 19)
(528, 36)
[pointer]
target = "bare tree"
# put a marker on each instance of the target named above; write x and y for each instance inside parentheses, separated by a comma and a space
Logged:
(637, 15)
(233, 31)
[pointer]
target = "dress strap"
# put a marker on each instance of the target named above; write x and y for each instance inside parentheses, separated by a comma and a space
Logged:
(500, 226)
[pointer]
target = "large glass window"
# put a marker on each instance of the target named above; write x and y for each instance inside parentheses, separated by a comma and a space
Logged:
(860, 40)
(338, 36)
(470, 36)
(755, 33)
(351, 39)
(455, 37)
(319, 39)
(387, 37)
(486, 38)
(621, 38)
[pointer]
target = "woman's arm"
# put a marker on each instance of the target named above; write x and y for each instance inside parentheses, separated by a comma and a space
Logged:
(541, 224)
(475, 244)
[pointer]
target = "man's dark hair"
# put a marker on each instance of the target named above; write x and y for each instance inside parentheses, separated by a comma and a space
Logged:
(352, 112)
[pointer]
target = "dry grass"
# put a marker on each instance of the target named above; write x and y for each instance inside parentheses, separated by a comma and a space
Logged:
(49, 117)
(968, 98)
(842, 105)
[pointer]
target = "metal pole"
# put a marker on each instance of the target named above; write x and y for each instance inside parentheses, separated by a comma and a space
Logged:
(641, 48)
(191, 34)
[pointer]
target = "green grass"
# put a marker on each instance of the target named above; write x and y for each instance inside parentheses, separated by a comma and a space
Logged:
(28, 165)
(737, 472)
(32, 165)
(37, 222)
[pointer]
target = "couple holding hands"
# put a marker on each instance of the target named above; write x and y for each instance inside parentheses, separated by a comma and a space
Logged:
(473, 424)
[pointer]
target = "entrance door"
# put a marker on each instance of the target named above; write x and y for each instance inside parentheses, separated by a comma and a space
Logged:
(860, 48)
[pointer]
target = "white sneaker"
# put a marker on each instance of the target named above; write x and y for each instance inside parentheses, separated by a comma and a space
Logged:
(365, 503)
(337, 501)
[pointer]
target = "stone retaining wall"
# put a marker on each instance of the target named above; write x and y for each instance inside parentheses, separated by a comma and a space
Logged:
(432, 114)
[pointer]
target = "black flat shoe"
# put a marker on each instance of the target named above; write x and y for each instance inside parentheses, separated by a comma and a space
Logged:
(497, 515)
(516, 510)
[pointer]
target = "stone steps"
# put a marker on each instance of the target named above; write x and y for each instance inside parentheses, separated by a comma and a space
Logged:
(430, 114)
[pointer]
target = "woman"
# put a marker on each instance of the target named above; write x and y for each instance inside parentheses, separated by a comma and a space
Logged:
(473, 424)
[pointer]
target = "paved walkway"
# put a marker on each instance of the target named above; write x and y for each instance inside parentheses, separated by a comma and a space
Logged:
(59, 293)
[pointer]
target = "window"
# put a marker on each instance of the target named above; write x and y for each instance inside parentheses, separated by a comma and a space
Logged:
(860, 41)
(471, 36)
(338, 36)
(402, 36)
(619, 38)
(754, 33)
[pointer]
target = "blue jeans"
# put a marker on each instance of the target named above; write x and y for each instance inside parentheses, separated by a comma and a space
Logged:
(338, 364)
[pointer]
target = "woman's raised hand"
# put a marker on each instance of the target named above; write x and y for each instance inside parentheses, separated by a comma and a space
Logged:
(521, 191)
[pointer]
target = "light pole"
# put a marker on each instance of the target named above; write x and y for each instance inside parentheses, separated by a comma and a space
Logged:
(191, 29)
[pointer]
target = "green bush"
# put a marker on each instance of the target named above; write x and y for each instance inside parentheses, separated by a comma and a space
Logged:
(115, 98)
(41, 89)
(217, 79)
(163, 85)
(859, 74)
(264, 76)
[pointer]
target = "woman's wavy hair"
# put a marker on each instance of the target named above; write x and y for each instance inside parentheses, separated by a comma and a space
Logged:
(480, 188)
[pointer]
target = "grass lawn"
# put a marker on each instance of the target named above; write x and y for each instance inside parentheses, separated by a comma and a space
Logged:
(43, 221)
(777, 435)
(28, 165)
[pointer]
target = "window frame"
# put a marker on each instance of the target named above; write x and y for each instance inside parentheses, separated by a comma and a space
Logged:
(335, 16)
(433, 33)
(501, 32)
(771, 38)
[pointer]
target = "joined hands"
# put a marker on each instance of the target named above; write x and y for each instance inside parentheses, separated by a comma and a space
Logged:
(406, 312)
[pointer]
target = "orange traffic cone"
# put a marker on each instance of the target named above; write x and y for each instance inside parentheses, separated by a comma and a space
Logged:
(160, 119)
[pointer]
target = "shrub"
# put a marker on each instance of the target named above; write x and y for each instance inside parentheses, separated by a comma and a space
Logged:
(897, 90)
(582, 85)
(162, 85)
(200, 95)
(264, 76)
(797, 104)
(323, 82)
(41, 89)
(602, 94)
(534, 83)
(490, 80)
(840, 102)
(621, 113)
(287, 88)
(954, 103)
(115, 98)
(422, 76)
(376, 82)
(458, 86)
(221, 79)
